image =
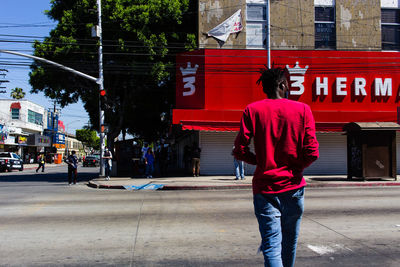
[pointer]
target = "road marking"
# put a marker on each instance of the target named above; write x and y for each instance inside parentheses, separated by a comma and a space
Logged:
(321, 250)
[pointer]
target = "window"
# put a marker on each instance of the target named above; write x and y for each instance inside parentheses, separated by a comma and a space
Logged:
(35, 117)
(390, 28)
(325, 27)
(15, 113)
(256, 22)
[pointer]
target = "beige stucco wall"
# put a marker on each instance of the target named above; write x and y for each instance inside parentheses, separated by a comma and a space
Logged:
(358, 25)
(212, 13)
(292, 24)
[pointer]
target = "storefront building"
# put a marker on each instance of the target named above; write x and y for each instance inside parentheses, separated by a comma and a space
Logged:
(342, 58)
(19, 120)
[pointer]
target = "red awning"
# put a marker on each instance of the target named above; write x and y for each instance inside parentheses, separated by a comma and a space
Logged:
(207, 120)
(228, 121)
(213, 126)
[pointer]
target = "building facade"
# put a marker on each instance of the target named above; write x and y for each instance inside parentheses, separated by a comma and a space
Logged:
(342, 58)
(22, 123)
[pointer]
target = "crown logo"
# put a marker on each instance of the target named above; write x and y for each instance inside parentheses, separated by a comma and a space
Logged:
(189, 70)
(296, 69)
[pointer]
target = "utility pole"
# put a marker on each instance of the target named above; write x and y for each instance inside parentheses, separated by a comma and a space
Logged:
(101, 87)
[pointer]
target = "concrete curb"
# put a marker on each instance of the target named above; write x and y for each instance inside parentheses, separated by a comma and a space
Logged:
(101, 186)
(93, 184)
(352, 184)
(206, 187)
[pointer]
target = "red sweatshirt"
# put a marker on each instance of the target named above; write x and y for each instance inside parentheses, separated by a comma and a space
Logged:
(284, 143)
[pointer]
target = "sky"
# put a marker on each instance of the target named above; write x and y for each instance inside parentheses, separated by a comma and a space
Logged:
(21, 22)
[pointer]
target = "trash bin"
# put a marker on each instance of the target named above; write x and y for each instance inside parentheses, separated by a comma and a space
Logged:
(371, 149)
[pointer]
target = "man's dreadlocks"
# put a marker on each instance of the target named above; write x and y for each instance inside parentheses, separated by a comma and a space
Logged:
(271, 78)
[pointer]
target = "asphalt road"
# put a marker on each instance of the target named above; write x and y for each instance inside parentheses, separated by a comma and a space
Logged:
(45, 222)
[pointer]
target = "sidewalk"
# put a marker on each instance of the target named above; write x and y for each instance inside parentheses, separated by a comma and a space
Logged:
(33, 166)
(225, 182)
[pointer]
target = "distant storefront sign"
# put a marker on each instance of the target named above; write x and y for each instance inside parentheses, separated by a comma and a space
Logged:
(59, 145)
(39, 140)
(60, 138)
(22, 140)
(10, 140)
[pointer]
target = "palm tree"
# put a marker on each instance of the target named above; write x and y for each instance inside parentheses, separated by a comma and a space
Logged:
(17, 93)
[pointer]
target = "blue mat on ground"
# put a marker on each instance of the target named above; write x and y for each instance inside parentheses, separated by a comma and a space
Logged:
(144, 187)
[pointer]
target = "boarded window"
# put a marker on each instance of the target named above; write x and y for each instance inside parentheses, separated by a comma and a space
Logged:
(325, 28)
(390, 29)
(256, 22)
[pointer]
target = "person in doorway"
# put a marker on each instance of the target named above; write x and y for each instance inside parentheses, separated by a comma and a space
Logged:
(285, 144)
(149, 161)
(196, 151)
(239, 168)
(144, 150)
(41, 163)
(107, 157)
(72, 162)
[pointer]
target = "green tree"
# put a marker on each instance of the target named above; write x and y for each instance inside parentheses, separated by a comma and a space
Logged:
(88, 137)
(141, 39)
(17, 93)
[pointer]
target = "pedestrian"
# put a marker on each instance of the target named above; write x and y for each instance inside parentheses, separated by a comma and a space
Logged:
(285, 144)
(41, 163)
(72, 162)
(144, 149)
(149, 161)
(196, 151)
(107, 157)
(239, 168)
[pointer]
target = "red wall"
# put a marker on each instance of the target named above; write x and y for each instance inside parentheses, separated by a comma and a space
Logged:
(225, 80)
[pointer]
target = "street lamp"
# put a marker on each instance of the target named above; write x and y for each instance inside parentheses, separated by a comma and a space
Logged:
(99, 81)
(101, 90)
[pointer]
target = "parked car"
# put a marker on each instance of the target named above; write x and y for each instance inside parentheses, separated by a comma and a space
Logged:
(10, 161)
(91, 160)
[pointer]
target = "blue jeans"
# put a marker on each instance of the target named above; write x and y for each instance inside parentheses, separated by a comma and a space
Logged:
(107, 168)
(239, 168)
(279, 217)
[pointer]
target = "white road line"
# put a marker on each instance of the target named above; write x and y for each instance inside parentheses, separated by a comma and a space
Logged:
(321, 250)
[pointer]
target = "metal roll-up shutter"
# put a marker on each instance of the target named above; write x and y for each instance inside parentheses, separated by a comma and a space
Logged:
(332, 155)
(216, 148)
(216, 158)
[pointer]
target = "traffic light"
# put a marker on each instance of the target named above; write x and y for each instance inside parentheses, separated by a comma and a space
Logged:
(103, 99)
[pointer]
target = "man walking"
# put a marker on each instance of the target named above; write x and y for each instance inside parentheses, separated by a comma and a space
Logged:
(41, 163)
(107, 157)
(196, 151)
(72, 162)
(285, 144)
